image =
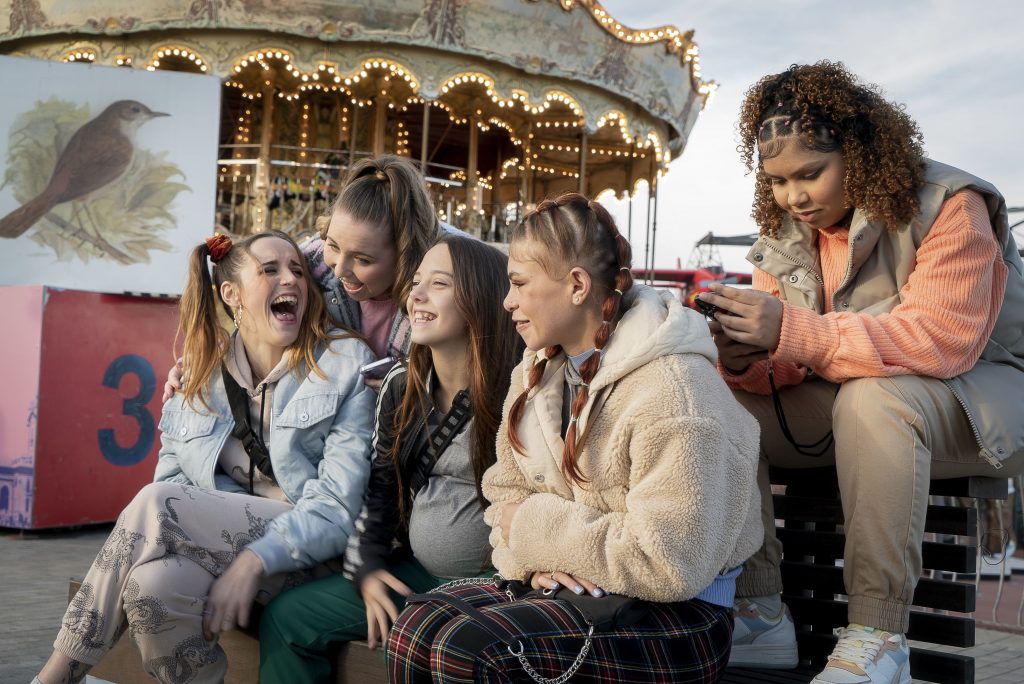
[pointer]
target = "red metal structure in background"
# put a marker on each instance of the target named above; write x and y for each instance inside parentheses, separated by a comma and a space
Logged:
(706, 268)
(690, 281)
(81, 405)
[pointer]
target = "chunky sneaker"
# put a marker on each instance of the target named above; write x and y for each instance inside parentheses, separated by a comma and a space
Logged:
(867, 656)
(762, 643)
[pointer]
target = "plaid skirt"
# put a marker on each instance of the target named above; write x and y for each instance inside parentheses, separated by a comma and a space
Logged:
(676, 642)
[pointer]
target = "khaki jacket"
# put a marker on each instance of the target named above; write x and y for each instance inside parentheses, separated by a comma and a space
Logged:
(880, 264)
(671, 459)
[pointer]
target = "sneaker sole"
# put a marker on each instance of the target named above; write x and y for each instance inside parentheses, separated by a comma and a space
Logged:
(765, 657)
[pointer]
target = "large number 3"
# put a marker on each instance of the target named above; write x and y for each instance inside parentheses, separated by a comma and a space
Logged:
(135, 407)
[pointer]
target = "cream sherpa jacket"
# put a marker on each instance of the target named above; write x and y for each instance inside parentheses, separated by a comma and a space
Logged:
(670, 456)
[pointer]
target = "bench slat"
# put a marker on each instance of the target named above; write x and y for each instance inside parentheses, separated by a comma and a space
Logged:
(937, 556)
(930, 593)
(935, 628)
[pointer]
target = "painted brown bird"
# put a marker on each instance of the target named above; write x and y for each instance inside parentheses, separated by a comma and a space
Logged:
(97, 154)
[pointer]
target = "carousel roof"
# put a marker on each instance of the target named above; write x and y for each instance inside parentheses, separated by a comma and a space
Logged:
(534, 56)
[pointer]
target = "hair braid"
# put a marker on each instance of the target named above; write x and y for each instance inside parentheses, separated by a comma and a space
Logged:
(516, 412)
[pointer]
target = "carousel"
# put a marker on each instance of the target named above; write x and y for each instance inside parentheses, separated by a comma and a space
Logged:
(501, 102)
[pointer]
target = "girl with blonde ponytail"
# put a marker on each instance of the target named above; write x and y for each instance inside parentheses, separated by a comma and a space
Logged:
(623, 499)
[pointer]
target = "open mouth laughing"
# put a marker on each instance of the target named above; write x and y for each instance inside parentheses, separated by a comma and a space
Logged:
(285, 308)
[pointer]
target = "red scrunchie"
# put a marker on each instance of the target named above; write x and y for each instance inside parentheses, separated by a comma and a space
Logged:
(219, 246)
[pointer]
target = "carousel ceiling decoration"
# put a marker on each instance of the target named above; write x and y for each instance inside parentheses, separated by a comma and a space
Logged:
(504, 101)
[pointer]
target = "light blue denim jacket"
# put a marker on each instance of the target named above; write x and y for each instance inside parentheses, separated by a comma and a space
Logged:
(319, 444)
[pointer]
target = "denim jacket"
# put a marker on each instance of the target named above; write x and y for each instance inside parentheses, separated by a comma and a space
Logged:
(319, 446)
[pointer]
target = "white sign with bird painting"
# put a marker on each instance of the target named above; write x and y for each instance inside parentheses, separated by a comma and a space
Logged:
(109, 174)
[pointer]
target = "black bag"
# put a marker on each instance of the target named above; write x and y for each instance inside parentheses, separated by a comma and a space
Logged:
(603, 614)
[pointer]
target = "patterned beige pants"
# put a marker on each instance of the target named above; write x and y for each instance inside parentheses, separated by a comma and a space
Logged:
(154, 572)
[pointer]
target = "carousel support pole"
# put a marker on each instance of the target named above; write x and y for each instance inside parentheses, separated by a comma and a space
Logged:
(261, 214)
(425, 138)
(583, 162)
(629, 190)
(654, 224)
(528, 165)
(380, 121)
(352, 135)
(496, 195)
(629, 219)
(472, 188)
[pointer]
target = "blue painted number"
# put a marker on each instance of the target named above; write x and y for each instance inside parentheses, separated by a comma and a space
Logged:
(135, 407)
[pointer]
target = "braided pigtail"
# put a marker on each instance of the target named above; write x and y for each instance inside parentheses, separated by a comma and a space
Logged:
(577, 232)
(515, 414)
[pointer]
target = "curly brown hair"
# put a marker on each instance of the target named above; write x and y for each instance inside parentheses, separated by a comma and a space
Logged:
(881, 145)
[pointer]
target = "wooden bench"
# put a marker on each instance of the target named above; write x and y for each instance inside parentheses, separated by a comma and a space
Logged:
(813, 590)
(812, 515)
(354, 663)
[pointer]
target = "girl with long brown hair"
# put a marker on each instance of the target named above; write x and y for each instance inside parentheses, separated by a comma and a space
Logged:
(437, 418)
(265, 455)
(623, 494)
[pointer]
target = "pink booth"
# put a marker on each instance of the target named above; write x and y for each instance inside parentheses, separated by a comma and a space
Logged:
(83, 373)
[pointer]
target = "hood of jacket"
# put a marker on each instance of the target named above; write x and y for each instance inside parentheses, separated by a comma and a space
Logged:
(654, 324)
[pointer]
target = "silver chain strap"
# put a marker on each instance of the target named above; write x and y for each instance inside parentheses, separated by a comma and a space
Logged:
(565, 676)
(520, 655)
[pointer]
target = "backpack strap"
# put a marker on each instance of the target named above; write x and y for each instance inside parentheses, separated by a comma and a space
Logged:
(456, 418)
(253, 444)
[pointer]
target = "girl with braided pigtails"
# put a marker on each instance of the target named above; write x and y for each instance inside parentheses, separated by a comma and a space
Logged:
(623, 499)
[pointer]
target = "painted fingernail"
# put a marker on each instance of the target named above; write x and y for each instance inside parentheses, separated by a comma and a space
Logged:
(598, 591)
(578, 589)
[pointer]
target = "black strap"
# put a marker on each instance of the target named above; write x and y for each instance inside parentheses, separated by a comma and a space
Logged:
(822, 445)
(253, 443)
(452, 423)
(492, 626)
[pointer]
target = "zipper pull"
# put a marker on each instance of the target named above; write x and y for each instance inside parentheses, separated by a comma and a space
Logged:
(990, 458)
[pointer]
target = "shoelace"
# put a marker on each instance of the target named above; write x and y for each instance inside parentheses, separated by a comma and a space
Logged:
(856, 646)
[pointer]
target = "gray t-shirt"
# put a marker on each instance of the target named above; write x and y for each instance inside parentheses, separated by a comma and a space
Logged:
(447, 531)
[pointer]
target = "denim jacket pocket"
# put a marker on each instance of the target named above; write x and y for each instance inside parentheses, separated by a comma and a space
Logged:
(309, 410)
(184, 426)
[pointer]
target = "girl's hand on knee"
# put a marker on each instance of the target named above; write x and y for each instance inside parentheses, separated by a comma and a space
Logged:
(554, 580)
(230, 601)
(381, 611)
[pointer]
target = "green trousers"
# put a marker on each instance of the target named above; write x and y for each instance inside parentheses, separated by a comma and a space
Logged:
(298, 625)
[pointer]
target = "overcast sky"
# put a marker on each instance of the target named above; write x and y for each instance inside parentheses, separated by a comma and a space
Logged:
(958, 67)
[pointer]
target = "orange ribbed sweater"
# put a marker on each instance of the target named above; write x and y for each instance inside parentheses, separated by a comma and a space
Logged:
(947, 310)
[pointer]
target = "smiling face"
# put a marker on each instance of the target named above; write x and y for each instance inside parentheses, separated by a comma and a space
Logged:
(808, 185)
(541, 306)
(433, 311)
(272, 292)
(363, 257)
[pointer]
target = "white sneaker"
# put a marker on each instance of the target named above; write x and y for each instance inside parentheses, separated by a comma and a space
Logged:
(867, 656)
(762, 643)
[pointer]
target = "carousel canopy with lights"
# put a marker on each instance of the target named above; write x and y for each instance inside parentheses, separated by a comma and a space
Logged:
(502, 102)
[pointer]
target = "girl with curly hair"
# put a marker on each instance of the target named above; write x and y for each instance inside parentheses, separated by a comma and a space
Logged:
(886, 320)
